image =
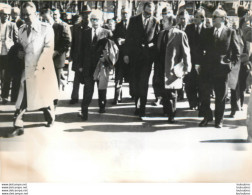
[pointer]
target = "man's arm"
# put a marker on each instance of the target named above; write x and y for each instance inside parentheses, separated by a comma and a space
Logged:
(65, 39)
(47, 50)
(15, 33)
(186, 54)
(235, 49)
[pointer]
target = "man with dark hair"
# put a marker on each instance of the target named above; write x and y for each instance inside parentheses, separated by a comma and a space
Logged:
(121, 69)
(219, 51)
(38, 82)
(15, 15)
(172, 62)
(139, 54)
(194, 32)
(62, 41)
(75, 52)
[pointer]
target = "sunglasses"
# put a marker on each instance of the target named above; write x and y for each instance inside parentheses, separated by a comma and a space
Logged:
(214, 17)
(94, 19)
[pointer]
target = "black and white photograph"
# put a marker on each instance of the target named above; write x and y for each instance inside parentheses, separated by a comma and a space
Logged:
(126, 91)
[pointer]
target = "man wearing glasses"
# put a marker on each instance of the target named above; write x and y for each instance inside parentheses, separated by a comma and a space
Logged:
(38, 86)
(88, 62)
(8, 36)
(219, 52)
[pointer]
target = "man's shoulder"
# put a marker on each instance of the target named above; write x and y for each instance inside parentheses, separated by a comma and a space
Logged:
(45, 25)
(190, 26)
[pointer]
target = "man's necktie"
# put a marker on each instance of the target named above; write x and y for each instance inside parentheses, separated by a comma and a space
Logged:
(95, 37)
(216, 34)
(28, 30)
(146, 20)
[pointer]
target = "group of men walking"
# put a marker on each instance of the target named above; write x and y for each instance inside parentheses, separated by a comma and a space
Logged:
(200, 57)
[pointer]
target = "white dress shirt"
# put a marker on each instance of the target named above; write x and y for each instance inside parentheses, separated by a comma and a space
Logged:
(145, 20)
(97, 31)
(219, 30)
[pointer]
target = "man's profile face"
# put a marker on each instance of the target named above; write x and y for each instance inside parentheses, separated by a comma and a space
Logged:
(197, 18)
(56, 16)
(28, 14)
(149, 10)
(95, 21)
(5, 15)
(218, 19)
(166, 23)
(182, 20)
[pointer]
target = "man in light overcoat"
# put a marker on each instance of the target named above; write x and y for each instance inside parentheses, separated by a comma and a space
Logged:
(39, 82)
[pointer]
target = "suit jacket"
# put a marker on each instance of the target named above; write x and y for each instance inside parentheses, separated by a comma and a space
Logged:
(176, 54)
(90, 57)
(194, 42)
(62, 38)
(11, 35)
(119, 32)
(75, 52)
(138, 39)
(216, 55)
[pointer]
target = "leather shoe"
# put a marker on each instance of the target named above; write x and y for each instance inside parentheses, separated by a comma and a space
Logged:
(171, 120)
(204, 122)
(218, 125)
(73, 101)
(141, 113)
(232, 114)
(136, 111)
(115, 102)
(49, 123)
(17, 131)
(4, 101)
(84, 116)
(102, 110)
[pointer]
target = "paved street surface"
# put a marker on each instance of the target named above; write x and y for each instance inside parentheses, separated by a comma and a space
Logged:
(119, 147)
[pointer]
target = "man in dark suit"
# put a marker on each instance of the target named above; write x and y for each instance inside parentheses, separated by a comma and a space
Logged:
(140, 39)
(75, 52)
(194, 32)
(220, 50)
(121, 69)
(88, 62)
(62, 41)
(8, 37)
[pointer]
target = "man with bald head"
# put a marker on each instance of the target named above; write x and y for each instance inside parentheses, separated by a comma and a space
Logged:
(88, 62)
(8, 37)
(219, 52)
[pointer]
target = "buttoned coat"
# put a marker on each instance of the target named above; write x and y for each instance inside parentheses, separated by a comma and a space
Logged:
(215, 53)
(177, 53)
(89, 56)
(139, 46)
(75, 52)
(39, 73)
